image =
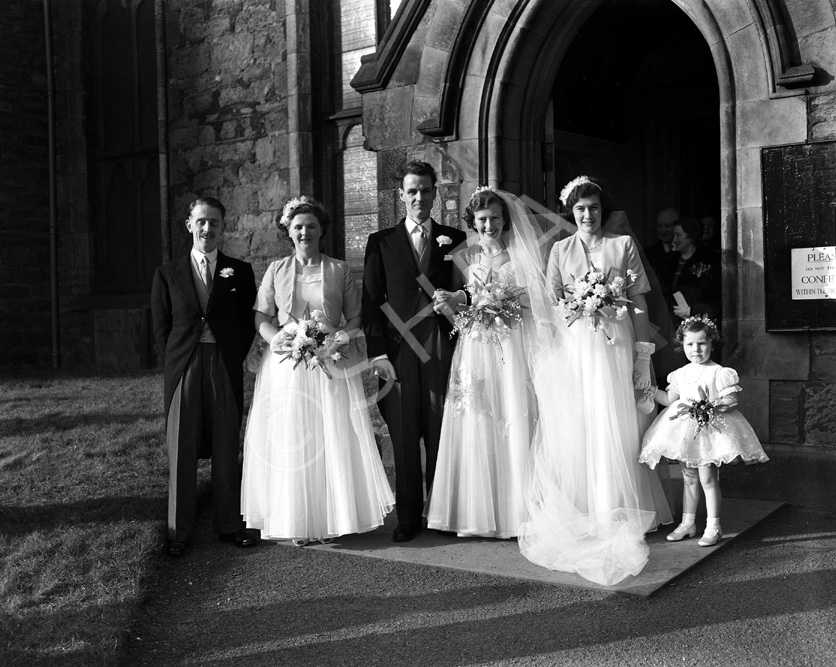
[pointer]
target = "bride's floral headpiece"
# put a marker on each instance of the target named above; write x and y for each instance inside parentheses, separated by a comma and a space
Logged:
(292, 205)
(571, 185)
(481, 189)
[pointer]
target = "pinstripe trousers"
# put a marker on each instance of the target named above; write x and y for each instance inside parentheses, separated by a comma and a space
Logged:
(203, 411)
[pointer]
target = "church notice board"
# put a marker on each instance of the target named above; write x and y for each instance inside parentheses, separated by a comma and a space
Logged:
(799, 218)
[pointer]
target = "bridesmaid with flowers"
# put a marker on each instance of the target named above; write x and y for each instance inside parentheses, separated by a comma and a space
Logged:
(311, 466)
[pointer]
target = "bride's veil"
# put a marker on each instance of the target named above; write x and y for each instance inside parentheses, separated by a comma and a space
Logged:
(563, 532)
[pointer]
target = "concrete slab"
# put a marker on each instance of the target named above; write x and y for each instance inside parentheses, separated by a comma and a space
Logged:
(502, 558)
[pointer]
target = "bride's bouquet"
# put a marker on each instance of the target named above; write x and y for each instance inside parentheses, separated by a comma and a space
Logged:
(309, 341)
(595, 297)
(495, 308)
(703, 412)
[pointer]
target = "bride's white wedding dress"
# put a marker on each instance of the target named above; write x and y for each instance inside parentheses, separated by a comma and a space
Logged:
(482, 465)
(590, 501)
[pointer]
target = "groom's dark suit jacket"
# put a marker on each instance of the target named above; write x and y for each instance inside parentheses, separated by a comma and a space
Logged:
(412, 406)
(391, 275)
(178, 320)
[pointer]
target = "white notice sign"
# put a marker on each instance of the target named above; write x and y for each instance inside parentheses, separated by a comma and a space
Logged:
(814, 273)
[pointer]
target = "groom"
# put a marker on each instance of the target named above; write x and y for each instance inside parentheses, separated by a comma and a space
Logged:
(203, 323)
(408, 343)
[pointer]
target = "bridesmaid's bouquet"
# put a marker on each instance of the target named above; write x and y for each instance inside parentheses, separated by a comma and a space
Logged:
(309, 341)
(702, 412)
(595, 297)
(495, 308)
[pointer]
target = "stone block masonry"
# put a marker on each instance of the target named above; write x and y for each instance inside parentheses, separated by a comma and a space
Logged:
(228, 119)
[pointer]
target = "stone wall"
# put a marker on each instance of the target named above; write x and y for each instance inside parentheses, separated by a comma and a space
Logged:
(24, 195)
(228, 120)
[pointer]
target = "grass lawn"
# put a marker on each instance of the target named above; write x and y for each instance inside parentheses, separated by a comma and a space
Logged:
(83, 501)
(83, 484)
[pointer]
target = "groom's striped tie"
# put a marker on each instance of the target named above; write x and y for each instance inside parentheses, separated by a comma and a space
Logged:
(206, 274)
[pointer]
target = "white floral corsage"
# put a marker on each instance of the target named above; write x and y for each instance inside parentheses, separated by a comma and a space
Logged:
(443, 240)
(228, 272)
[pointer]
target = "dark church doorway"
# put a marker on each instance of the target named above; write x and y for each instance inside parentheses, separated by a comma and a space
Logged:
(636, 101)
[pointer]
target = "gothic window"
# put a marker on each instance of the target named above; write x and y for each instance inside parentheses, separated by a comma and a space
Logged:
(359, 197)
(353, 189)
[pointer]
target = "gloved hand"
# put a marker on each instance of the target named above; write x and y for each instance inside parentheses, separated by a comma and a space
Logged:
(646, 402)
(641, 368)
(276, 343)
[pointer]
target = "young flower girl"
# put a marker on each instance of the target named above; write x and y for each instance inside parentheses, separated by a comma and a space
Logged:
(700, 428)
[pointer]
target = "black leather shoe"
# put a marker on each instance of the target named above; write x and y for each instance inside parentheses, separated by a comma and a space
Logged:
(403, 534)
(240, 538)
(175, 549)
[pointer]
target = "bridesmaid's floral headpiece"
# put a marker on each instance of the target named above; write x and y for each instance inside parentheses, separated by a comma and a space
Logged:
(292, 205)
(571, 185)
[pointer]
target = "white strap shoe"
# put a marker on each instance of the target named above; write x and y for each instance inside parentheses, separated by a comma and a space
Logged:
(681, 532)
(710, 537)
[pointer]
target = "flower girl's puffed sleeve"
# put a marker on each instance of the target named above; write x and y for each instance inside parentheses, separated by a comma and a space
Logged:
(634, 264)
(673, 382)
(352, 298)
(265, 300)
(727, 382)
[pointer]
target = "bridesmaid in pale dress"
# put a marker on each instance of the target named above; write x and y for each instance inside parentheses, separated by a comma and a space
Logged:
(311, 466)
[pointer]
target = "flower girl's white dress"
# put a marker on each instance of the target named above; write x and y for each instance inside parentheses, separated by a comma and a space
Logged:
(729, 439)
(311, 465)
(480, 475)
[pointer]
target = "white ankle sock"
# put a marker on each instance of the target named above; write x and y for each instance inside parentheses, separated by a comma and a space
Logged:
(713, 523)
(688, 520)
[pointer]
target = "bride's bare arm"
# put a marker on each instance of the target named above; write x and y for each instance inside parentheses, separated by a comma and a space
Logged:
(264, 325)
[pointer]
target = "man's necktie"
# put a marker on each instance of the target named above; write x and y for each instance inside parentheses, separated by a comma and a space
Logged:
(419, 238)
(205, 274)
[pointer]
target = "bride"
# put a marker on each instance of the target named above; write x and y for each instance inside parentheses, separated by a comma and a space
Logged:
(478, 488)
(590, 502)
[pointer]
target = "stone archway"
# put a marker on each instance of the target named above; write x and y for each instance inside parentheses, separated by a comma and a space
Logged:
(509, 123)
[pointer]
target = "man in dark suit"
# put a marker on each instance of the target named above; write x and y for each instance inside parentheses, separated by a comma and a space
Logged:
(408, 342)
(203, 323)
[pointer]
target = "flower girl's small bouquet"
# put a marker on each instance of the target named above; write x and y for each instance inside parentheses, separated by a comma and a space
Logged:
(595, 297)
(702, 412)
(310, 341)
(495, 308)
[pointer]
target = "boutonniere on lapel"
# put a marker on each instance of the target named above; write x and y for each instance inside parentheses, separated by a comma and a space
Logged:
(699, 269)
(443, 241)
(228, 272)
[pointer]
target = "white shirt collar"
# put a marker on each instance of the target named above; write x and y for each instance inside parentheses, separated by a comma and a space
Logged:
(198, 256)
(411, 225)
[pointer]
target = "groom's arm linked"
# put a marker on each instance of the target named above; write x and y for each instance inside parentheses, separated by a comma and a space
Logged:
(386, 279)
